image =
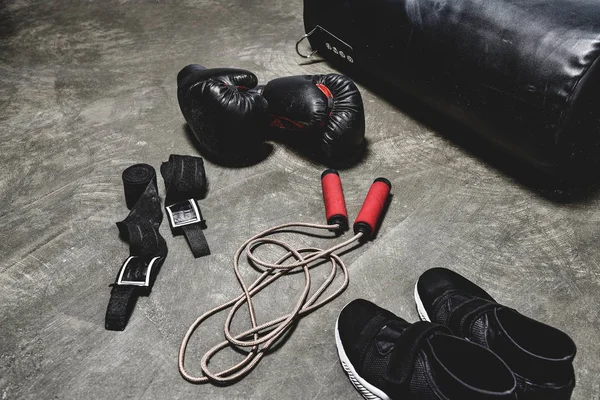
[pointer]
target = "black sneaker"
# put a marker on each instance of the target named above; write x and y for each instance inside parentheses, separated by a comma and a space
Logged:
(385, 357)
(540, 356)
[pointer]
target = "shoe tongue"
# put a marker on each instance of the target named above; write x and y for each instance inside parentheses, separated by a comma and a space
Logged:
(375, 345)
(445, 309)
(406, 350)
(388, 335)
(381, 328)
(456, 301)
(462, 318)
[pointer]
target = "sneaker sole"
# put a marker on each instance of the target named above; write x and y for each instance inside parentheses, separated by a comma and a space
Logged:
(367, 390)
(420, 307)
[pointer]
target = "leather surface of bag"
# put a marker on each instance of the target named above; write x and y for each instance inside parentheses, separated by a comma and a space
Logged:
(524, 74)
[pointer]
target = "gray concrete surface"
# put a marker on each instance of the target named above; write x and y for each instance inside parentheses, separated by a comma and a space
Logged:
(88, 88)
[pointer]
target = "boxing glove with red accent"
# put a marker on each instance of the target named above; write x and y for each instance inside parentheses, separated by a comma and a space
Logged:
(226, 118)
(328, 109)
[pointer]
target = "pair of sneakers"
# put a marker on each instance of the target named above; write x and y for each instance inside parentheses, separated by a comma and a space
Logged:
(467, 347)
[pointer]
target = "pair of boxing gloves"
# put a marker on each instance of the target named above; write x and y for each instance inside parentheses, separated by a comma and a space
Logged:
(231, 116)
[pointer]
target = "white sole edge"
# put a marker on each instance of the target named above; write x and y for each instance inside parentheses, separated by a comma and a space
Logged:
(367, 390)
(420, 307)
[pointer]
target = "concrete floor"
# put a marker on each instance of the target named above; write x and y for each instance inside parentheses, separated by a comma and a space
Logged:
(88, 88)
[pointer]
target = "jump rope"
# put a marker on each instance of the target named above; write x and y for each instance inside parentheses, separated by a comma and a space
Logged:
(260, 338)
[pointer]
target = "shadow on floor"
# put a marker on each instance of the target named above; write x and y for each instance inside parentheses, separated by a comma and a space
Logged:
(293, 141)
(573, 189)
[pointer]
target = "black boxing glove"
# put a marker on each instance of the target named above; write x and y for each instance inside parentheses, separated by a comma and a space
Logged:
(226, 118)
(327, 108)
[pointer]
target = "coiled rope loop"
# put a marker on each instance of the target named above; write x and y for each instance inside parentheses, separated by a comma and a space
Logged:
(260, 338)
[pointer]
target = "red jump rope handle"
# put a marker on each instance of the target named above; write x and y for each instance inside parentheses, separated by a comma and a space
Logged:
(333, 195)
(371, 210)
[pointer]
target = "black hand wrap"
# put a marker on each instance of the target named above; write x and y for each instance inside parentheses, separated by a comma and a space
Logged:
(147, 247)
(185, 181)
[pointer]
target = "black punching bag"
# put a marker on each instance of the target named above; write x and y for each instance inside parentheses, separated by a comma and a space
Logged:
(522, 73)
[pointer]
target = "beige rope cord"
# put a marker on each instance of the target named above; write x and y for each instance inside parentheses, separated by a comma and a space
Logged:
(260, 338)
